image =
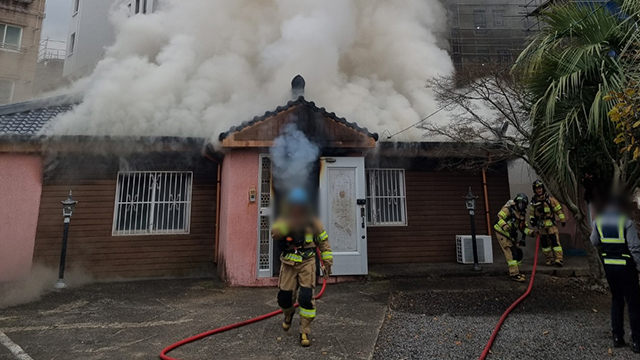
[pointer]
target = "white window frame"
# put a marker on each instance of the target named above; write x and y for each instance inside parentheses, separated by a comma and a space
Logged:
(159, 180)
(11, 92)
(3, 38)
(397, 188)
(76, 7)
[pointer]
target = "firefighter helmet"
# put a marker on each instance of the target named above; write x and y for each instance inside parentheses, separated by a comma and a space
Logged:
(538, 184)
(521, 201)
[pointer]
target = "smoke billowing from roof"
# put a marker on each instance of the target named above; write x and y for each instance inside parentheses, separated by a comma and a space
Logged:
(197, 67)
(293, 156)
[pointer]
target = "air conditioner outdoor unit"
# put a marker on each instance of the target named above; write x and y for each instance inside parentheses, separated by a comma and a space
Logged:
(464, 247)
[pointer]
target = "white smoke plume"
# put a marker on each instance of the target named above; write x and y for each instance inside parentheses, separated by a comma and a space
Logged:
(197, 67)
(292, 156)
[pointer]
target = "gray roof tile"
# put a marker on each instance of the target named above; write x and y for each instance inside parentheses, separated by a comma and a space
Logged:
(29, 118)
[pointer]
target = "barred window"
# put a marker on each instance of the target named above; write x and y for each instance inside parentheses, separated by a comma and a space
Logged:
(386, 197)
(153, 202)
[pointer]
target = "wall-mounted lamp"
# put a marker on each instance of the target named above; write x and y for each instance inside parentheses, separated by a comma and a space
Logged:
(252, 194)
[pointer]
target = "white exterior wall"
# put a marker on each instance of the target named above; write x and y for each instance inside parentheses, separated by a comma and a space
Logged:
(94, 33)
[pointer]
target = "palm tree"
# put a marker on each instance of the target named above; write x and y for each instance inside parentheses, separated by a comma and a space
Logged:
(568, 68)
(579, 57)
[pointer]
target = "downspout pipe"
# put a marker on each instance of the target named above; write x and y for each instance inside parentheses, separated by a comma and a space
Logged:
(486, 200)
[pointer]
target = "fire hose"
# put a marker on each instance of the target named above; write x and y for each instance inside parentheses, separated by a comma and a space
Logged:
(164, 356)
(487, 349)
(485, 353)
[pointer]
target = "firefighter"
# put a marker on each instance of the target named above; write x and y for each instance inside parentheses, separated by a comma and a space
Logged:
(511, 221)
(617, 237)
(298, 233)
(543, 212)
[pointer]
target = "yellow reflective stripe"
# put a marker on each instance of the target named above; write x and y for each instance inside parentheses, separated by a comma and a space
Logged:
(528, 232)
(512, 262)
(547, 209)
(561, 216)
(502, 223)
(620, 239)
(613, 241)
(557, 208)
(615, 262)
(627, 256)
(323, 236)
(326, 255)
(599, 227)
(499, 229)
(557, 249)
(502, 214)
(546, 249)
(519, 263)
(604, 254)
(293, 257)
(308, 313)
(548, 223)
(308, 238)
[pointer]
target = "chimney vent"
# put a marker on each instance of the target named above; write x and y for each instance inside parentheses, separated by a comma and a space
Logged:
(297, 87)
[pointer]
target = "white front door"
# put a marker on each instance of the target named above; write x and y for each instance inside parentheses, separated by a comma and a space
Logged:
(343, 211)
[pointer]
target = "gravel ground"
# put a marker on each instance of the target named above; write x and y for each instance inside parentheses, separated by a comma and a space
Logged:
(562, 319)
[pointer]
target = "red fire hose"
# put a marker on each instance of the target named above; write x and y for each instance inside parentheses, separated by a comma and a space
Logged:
(164, 356)
(487, 349)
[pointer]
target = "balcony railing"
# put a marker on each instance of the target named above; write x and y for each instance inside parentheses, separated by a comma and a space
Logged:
(12, 47)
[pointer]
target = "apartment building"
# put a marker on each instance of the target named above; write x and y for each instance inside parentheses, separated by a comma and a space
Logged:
(489, 32)
(20, 29)
(91, 31)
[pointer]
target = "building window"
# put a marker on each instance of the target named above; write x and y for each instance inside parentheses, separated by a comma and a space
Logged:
(479, 21)
(152, 202)
(72, 44)
(6, 91)
(76, 7)
(386, 197)
(144, 6)
(498, 18)
(504, 56)
(137, 6)
(10, 37)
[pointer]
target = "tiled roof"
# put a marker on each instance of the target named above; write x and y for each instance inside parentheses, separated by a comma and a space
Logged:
(299, 101)
(28, 118)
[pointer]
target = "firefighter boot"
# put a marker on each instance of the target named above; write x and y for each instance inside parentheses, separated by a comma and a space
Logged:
(305, 341)
(288, 319)
(557, 251)
(636, 347)
(305, 330)
(518, 277)
(548, 254)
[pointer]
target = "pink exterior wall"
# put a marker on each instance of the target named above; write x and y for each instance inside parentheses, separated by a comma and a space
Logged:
(238, 243)
(20, 191)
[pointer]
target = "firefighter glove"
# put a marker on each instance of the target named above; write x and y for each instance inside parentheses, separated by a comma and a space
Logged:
(326, 271)
(513, 233)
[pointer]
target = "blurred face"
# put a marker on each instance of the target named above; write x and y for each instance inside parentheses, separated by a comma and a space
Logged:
(298, 214)
(539, 191)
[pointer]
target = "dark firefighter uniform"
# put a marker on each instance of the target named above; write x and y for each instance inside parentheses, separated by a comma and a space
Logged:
(511, 222)
(542, 215)
(298, 270)
(617, 238)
